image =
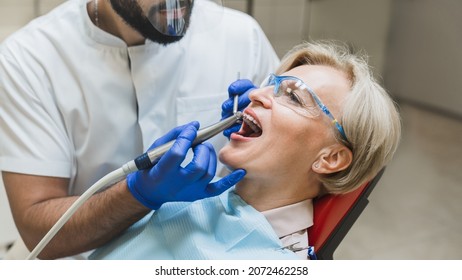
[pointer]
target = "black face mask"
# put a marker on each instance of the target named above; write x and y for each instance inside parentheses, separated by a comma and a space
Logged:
(131, 12)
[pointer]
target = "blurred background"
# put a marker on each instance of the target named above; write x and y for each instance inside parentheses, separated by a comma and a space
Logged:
(414, 47)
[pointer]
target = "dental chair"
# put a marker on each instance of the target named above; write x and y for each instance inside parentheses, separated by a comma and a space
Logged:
(334, 215)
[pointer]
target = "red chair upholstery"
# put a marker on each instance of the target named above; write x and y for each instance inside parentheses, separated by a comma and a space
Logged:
(334, 215)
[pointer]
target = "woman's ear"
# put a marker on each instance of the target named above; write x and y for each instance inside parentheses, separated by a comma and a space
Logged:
(332, 159)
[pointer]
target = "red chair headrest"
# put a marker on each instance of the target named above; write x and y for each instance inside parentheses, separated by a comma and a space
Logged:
(329, 211)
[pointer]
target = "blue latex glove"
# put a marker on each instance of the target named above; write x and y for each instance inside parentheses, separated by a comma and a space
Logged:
(169, 181)
(242, 88)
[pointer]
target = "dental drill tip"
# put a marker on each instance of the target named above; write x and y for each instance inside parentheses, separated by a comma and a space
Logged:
(238, 116)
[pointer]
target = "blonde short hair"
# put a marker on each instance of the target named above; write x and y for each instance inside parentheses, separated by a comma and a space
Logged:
(369, 116)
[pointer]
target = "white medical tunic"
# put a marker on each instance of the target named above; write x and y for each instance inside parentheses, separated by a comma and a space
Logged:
(76, 102)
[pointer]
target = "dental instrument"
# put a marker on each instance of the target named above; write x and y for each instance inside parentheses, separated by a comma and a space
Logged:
(151, 157)
(236, 97)
(144, 161)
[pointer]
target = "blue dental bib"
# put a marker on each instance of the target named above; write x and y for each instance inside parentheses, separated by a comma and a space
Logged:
(221, 227)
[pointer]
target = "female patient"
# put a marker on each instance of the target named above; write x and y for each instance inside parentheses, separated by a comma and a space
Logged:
(320, 124)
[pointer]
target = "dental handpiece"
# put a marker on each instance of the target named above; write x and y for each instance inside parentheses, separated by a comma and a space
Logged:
(151, 157)
(146, 160)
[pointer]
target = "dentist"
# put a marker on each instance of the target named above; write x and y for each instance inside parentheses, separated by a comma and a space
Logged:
(90, 85)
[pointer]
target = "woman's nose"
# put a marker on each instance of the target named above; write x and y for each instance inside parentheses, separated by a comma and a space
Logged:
(263, 96)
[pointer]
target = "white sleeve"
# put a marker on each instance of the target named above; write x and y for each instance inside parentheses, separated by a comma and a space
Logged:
(32, 132)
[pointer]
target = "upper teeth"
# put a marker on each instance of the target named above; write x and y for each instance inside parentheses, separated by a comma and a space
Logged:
(251, 122)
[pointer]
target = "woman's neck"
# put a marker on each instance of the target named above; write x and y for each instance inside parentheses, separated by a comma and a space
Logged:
(270, 194)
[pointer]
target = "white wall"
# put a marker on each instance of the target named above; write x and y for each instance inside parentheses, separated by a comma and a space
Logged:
(16, 13)
(425, 57)
(363, 24)
(282, 21)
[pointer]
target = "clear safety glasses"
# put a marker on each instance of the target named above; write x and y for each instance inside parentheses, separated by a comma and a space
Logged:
(294, 94)
(173, 17)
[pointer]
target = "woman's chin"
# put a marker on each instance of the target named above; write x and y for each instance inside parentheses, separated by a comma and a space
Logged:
(224, 154)
(228, 160)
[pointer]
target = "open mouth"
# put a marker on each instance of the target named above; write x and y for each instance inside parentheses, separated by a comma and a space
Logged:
(250, 127)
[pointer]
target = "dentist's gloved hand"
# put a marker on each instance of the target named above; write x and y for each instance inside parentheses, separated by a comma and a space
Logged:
(168, 181)
(241, 88)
